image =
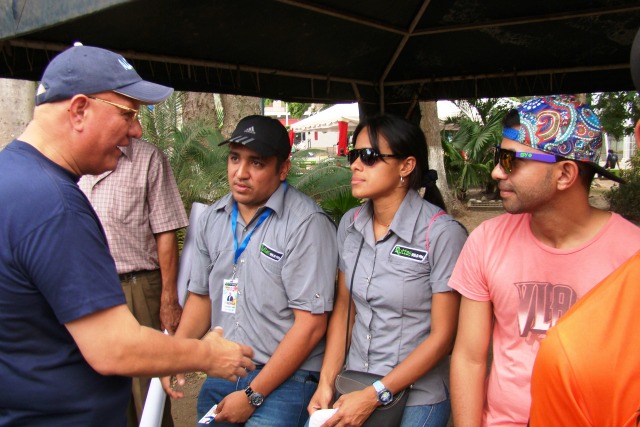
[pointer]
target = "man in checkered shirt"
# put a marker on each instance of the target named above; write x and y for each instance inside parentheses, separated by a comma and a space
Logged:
(141, 210)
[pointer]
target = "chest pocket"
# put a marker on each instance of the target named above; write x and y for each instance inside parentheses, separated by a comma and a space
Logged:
(416, 290)
(125, 201)
(271, 258)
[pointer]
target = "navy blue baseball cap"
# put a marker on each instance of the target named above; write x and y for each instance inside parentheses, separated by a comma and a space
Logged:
(87, 70)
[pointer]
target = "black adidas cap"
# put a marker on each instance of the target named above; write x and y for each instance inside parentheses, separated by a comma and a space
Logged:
(265, 135)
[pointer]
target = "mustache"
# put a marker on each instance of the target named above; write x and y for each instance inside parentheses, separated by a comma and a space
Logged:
(502, 186)
(242, 182)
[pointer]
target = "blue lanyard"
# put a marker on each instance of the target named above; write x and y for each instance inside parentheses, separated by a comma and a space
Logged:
(245, 242)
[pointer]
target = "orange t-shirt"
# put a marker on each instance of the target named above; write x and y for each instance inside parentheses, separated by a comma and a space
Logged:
(587, 371)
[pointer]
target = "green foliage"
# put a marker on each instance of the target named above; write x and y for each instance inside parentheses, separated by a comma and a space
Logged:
(625, 198)
(297, 109)
(618, 111)
(469, 153)
(199, 165)
(328, 182)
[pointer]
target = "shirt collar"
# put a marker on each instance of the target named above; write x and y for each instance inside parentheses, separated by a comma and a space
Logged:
(275, 202)
(404, 221)
(127, 151)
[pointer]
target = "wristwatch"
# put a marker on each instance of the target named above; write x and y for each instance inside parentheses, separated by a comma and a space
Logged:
(255, 398)
(384, 394)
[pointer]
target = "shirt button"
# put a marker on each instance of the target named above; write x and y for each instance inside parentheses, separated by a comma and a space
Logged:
(237, 323)
(242, 261)
(368, 336)
(316, 296)
(366, 365)
(239, 292)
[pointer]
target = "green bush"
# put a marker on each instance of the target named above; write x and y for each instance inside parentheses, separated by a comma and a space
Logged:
(625, 198)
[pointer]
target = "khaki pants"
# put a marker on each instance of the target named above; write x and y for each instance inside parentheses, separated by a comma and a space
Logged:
(142, 291)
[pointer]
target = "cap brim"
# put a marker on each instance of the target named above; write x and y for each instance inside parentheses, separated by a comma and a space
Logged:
(146, 92)
(607, 174)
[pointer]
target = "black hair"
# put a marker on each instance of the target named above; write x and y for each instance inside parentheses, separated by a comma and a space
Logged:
(511, 119)
(405, 139)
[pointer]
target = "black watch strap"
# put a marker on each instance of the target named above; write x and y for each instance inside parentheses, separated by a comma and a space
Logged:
(255, 399)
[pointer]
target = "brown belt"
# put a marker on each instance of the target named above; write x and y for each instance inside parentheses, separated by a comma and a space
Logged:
(125, 277)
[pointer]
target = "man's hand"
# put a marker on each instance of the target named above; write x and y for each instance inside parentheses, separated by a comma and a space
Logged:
(234, 408)
(170, 313)
(231, 360)
(170, 389)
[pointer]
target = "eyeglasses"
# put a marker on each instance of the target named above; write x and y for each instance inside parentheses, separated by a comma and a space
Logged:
(132, 114)
(505, 158)
(368, 156)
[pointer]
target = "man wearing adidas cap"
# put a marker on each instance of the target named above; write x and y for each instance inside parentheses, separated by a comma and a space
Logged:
(520, 272)
(68, 340)
(264, 270)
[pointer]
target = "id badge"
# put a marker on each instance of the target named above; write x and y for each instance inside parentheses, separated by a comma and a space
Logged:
(229, 295)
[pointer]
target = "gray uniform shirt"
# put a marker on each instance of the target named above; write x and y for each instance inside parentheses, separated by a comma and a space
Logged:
(289, 263)
(393, 285)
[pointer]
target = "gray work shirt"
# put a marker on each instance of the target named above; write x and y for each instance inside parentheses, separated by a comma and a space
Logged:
(289, 263)
(393, 284)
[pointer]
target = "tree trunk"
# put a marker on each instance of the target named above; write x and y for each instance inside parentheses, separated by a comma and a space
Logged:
(199, 105)
(430, 125)
(16, 108)
(235, 107)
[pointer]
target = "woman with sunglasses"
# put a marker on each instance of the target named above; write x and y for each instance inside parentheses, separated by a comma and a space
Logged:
(397, 252)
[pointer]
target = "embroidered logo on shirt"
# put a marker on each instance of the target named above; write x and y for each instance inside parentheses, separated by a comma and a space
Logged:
(412, 254)
(270, 253)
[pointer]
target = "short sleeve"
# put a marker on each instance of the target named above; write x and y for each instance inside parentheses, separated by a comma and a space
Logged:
(68, 260)
(468, 277)
(445, 243)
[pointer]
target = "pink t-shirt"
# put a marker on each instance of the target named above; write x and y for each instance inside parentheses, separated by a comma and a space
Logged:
(530, 286)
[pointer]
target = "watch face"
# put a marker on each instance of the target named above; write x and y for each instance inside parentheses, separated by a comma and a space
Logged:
(385, 397)
(256, 399)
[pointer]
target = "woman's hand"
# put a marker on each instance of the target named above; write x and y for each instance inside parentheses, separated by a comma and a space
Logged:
(354, 408)
(321, 399)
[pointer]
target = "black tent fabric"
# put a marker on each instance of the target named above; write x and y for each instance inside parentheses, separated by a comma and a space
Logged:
(385, 55)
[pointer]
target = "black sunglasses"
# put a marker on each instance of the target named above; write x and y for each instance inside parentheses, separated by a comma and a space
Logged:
(368, 156)
(505, 158)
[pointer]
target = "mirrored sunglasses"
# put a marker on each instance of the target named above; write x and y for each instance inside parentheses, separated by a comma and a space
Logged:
(505, 158)
(368, 156)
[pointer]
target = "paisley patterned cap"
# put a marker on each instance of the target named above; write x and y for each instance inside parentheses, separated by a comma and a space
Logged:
(562, 126)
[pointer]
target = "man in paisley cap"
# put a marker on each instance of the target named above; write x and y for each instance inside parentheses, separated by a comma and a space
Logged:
(520, 272)
(586, 372)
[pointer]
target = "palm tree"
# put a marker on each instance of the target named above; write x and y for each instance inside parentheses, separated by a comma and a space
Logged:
(469, 153)
(198, 164)
(328, 182)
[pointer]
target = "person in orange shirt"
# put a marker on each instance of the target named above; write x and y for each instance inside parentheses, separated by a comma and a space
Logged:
(587, 369)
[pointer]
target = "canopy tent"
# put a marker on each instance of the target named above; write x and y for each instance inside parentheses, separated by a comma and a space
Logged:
(339, 119)
(384, 55)
(328, 119)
